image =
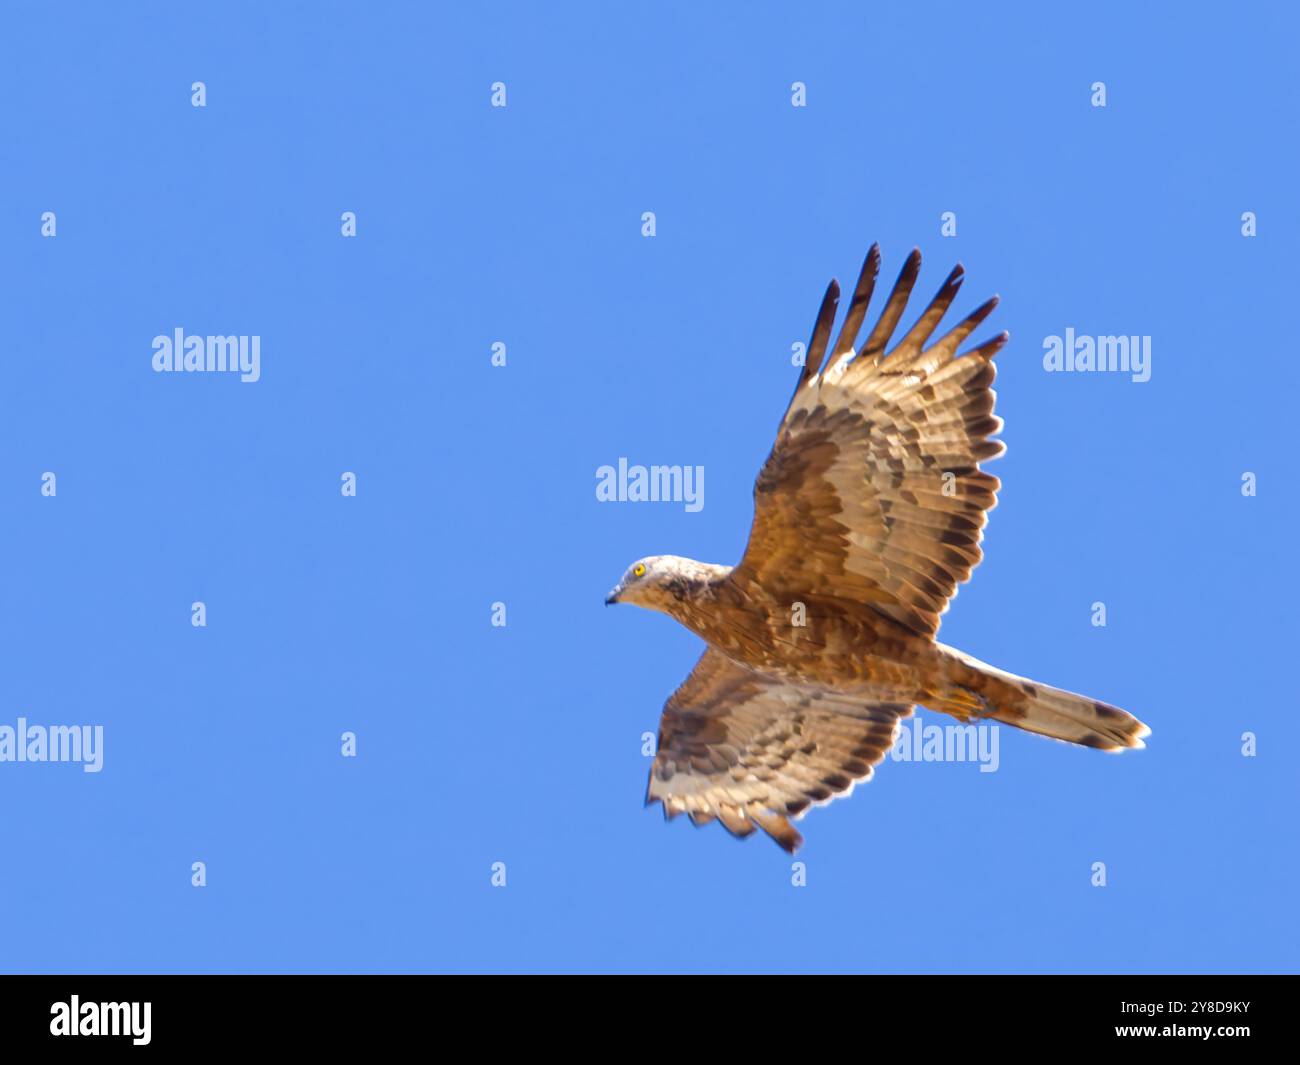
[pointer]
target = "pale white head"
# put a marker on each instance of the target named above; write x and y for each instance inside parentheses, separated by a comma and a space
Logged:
(659, 581)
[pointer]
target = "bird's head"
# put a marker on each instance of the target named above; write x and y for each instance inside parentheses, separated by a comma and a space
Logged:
(653, 582)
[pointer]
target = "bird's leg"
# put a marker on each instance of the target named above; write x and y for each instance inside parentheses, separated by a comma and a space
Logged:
(986, 708)
(964, 703)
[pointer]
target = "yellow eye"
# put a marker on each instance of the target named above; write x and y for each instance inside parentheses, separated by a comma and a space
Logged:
(638, 570)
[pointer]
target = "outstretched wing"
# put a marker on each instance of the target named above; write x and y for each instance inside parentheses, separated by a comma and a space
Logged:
(873, 490)
(751, 751)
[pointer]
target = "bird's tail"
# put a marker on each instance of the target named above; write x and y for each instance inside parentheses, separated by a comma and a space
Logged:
(977, 690)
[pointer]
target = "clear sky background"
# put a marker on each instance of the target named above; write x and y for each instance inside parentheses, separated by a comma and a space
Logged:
(522, 225)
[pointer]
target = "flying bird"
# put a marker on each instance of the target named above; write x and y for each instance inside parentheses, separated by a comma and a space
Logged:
(868, 514)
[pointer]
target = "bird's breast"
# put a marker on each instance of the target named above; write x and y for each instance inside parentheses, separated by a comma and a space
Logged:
(812, 642)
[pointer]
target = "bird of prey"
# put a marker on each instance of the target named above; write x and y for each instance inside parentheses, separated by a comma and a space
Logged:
(868, 514)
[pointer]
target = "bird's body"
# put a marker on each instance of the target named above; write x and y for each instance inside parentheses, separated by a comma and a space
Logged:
(843, 644)
(868, 514)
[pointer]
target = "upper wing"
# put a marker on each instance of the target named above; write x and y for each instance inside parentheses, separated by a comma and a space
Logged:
(750, 750)
(873, 490)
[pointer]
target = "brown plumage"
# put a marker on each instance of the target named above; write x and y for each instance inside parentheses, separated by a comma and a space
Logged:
(868, 514)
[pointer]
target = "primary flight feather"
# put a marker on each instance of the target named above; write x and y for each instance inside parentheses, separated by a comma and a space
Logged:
(868, 513)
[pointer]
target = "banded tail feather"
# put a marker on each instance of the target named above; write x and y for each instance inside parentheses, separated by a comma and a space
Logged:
(983, 691)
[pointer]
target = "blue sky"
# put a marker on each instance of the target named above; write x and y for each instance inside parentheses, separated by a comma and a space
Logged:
(522, 225)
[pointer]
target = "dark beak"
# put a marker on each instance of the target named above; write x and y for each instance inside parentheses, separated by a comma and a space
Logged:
(612, 598)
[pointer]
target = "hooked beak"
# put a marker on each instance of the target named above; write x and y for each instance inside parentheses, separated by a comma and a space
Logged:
(612, 598)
